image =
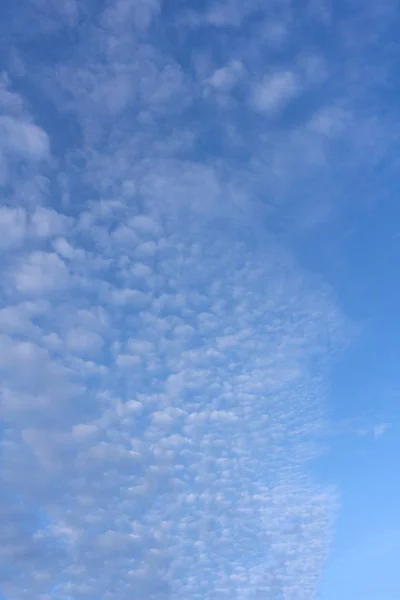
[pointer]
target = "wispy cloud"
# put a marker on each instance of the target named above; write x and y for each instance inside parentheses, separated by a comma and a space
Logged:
(275, 91)
(380, 430)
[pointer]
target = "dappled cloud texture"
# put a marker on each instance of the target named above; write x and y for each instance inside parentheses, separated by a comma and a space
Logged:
(164, 359)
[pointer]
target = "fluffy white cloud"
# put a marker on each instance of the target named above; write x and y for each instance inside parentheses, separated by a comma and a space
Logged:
(225, 78)
(12, 226)
(25, 139)
(40, 273)
(20, 137)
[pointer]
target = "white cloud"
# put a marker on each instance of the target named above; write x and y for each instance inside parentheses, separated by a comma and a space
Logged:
(66, 251)
(228, 13)
(48, 223)
(275, 91)
(12, 226)
(128, 360)
(128, 12)
(330, 122)
(40, 273)
(113, 94)
(83, 341)
(22, 138)
(225, 78)
(10, 102)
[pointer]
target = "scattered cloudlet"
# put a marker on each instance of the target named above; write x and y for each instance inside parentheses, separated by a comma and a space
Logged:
(275, 91)
(380, 430)
(225, 78)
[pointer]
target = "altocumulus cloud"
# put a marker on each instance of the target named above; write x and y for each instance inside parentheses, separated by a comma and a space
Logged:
(163, 357)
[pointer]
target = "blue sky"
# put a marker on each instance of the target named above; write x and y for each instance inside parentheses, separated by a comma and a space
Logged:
(199, 246)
